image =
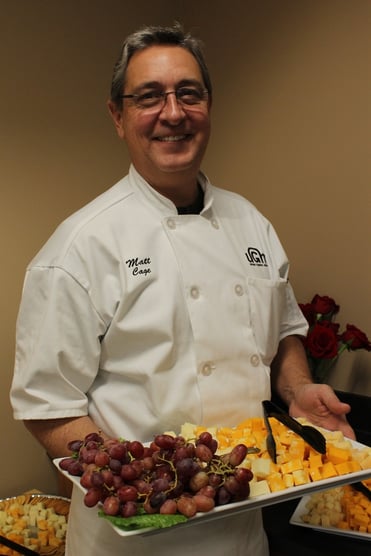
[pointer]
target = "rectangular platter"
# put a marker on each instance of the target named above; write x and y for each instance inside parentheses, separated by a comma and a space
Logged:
(246, 505)
(301, 510)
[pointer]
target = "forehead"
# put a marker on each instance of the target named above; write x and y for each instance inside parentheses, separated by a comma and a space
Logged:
(162, 64)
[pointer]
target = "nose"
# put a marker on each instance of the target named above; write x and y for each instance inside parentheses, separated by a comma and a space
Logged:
(172, 109)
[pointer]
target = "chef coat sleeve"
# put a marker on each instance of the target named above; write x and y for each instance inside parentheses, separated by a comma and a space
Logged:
(57, 346)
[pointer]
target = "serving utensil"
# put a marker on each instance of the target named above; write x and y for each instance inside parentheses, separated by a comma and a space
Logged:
(271, 443)
(17, 547)
(362, 488)
(310, 434)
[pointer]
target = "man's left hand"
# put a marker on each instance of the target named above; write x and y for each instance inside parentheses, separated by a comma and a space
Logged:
(319, 404)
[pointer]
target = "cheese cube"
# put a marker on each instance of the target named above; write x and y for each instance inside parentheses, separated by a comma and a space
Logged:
(297, 448)
(338, 454)
(292, 465)
(261, 467)
(301, 477)
(328, 470)
(315, 459)
(259, 488)
(288, 480)
(276, 482)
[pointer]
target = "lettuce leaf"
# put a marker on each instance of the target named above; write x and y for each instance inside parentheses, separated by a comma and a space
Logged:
(144, 520)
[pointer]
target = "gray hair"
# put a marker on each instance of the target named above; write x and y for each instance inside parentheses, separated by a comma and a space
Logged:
(152, 36)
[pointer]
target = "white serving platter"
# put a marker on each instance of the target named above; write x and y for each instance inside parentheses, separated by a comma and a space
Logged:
(301, 510)
(246, 505)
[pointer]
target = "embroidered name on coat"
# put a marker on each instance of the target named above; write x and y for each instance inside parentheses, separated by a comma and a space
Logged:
(256, 257)
(139, 266)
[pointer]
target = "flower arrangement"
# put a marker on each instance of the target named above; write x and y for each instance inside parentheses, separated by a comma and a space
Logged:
(324, 343)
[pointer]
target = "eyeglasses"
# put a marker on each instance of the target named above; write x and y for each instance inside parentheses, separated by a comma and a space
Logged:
(187, 97)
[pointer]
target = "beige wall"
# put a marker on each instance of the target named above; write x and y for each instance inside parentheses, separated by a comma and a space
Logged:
(291, 130)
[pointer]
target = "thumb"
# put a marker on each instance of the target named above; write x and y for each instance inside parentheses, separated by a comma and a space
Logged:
(332, 402)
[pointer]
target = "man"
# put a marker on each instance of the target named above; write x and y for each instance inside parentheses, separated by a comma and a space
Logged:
(147, 308)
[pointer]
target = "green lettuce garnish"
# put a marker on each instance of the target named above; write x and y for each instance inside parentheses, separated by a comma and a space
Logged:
(144, 520)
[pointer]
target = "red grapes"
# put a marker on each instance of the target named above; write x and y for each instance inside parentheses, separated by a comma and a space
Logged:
(169, 476)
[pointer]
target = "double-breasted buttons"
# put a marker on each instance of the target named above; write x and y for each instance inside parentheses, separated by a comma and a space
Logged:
(254, 360)
(238, 289)
(207, 368)
(195, 292)
(171, 223)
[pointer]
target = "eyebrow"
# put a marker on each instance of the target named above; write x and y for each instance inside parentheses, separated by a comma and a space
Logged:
(158, 85)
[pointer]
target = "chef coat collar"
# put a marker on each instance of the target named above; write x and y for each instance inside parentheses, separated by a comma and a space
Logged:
(162, 203)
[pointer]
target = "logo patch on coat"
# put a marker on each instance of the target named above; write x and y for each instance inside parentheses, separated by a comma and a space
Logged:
(256, 257)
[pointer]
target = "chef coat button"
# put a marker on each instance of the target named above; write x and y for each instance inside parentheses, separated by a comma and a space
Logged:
(254, 360)
(195, 292)
(238, 289)
(171, 223)
(207, 368)
(215, 223)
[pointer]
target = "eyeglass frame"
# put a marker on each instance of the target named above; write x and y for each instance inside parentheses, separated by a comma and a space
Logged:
(163, 96)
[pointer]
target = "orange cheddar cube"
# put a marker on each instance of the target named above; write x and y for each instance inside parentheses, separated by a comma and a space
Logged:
(337, 455)
(286, 437)
(315, 459)
(16, 537)
(43, 537)
(291, 466)
(354, 466)
(347, 467)
(315, 473)
(328, 470)
(42, 524)
(276, 482)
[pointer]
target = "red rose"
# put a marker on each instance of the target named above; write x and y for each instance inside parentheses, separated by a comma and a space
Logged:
(355, 338)
(322, 341)
(325, 305)
(333, 325)
(309, 313)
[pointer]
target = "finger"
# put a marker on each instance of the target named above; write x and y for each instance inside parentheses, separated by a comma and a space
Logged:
(330, 399)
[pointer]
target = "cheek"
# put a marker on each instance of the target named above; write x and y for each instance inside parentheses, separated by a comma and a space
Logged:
(202, 122)
(137, 129)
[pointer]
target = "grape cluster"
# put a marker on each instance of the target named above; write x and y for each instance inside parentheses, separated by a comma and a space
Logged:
(169, 476)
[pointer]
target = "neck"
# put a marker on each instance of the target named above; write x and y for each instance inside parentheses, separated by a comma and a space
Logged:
(196, 206)
(181, 190)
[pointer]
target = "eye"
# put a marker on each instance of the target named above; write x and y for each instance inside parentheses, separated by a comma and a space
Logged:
(150, 98)
(190, 95)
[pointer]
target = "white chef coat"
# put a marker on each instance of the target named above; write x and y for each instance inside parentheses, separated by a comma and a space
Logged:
(145, 319)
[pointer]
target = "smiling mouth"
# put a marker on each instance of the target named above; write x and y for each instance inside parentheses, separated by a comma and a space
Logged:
(172, 138)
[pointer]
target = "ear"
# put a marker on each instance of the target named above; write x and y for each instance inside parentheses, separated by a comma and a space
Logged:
(117, 117)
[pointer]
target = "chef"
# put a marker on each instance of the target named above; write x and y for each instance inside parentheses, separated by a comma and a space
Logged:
(164, 300)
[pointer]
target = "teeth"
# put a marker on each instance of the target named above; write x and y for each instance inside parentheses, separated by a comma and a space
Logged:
(172, 138)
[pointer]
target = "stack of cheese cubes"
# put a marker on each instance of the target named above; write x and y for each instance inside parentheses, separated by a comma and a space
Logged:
(34, 522)
(297, 462)
(342, 507)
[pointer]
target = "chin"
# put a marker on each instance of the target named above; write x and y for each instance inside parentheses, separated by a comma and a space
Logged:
(178, 165)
